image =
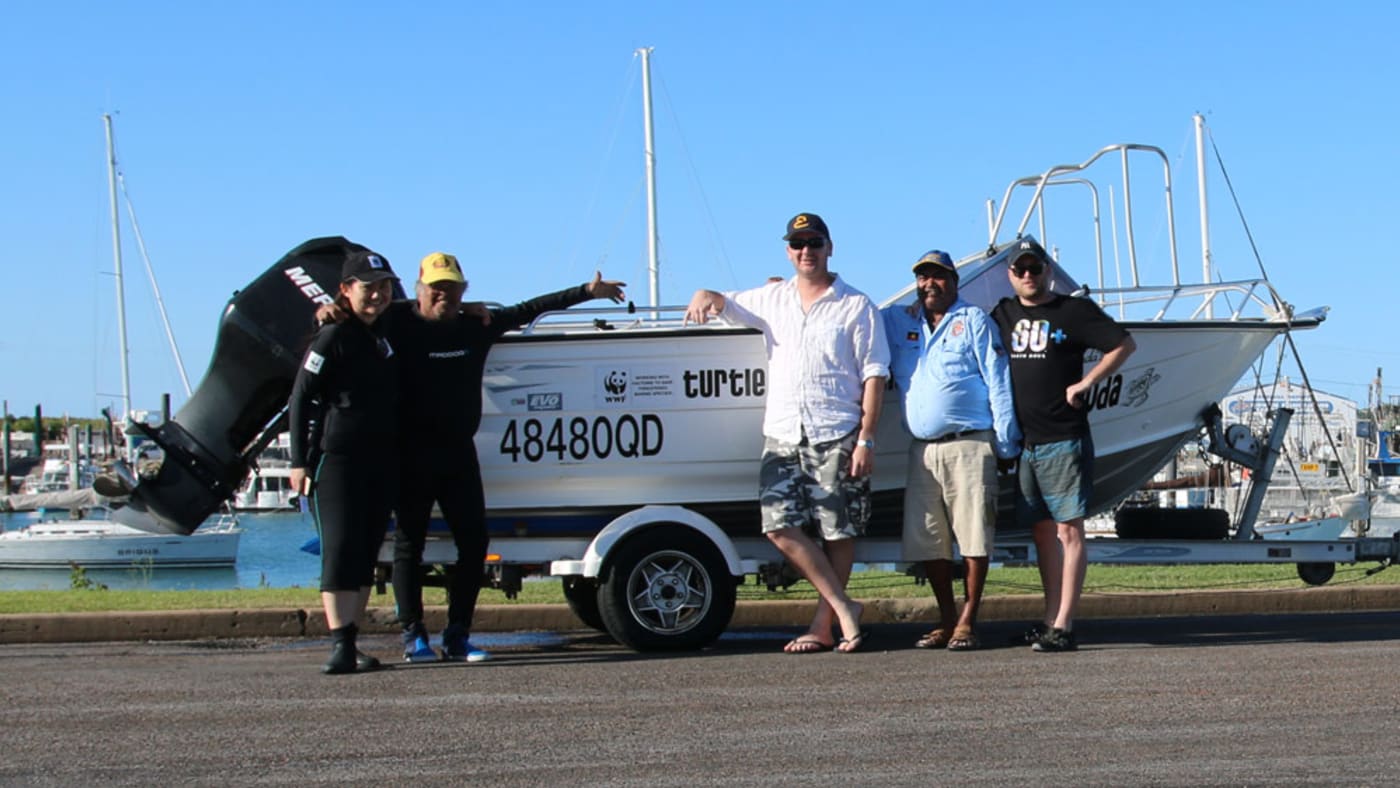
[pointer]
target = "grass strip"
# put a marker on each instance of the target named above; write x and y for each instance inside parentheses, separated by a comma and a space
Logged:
(863, 585)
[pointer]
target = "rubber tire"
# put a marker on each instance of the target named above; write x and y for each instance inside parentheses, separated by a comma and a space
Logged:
(582, 596)
(673, 546)
(1316, 573)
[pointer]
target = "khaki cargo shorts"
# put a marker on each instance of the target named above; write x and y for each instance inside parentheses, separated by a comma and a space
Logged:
(951, 494)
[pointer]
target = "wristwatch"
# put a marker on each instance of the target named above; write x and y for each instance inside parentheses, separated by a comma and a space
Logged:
(869, 444)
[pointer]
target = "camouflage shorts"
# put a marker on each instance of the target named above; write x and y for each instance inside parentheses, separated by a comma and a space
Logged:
(809, 486)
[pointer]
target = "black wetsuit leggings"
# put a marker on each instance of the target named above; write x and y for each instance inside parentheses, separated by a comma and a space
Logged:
(456, 487)
(351, 499)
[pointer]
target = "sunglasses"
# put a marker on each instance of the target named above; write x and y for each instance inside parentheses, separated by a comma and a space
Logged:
(1034, 269)
(807, 243)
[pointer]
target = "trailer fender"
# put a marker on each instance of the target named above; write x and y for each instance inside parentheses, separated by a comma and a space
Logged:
(645, 517)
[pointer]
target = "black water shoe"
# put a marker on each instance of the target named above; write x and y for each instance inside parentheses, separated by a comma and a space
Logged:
(1056, 640)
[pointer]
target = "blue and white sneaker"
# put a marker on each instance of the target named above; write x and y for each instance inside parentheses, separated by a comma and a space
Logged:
(457, 648)
(419, 650)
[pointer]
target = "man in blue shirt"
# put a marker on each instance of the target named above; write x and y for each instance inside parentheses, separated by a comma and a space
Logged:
(954, 379)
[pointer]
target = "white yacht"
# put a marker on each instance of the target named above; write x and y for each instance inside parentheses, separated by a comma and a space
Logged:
(92, 544)
(267, 489)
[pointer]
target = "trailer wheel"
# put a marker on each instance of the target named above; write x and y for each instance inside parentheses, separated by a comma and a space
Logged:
(666, 588)
(1316, 573)
(582, 595)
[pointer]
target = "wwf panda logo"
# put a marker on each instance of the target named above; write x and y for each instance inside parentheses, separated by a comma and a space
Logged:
(616, 382)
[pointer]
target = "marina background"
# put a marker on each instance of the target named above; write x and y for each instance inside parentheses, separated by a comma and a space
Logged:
(508, 134)
(269, 554)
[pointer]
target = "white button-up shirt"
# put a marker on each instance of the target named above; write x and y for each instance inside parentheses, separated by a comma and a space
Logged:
(818, 361)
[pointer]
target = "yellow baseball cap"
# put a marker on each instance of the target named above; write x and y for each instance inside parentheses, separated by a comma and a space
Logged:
(440, 267)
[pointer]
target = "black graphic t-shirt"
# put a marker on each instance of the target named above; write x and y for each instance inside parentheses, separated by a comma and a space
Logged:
(1046, 344)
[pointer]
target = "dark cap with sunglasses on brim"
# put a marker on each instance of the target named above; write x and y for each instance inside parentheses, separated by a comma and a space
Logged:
(806, 223)
(1027, 248)
(365, 266)
(935, 258)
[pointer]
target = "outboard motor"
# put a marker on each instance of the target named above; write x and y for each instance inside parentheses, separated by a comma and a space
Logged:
(210, 443)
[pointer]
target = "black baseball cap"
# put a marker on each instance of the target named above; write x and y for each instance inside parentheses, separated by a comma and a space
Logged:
(366, 266)
(806, 223)
(1027, 247)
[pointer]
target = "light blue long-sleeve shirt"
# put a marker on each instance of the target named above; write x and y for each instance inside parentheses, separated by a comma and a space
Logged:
(953, 378)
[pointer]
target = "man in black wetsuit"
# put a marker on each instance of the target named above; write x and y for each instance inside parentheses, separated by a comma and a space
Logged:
(442, 353)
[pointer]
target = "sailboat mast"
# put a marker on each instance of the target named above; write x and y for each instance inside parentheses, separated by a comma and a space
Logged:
(121, 291)
(1207, 275)
(653, 265)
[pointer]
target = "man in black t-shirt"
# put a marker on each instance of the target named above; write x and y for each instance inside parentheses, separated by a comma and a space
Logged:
(1046, 335)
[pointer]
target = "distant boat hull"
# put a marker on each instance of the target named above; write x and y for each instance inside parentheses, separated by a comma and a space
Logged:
(1323, 529)
(94, 544)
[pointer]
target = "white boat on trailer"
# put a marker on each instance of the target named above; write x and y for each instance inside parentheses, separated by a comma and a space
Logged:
(619, 449)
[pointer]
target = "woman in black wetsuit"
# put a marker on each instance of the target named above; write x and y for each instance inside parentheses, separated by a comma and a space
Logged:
(347, 391)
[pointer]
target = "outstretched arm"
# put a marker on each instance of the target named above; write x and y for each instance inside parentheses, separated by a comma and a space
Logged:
(510, 317)
(476, 310)
(610, 289)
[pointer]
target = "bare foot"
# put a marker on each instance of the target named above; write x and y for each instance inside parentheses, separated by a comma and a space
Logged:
(822, 621)
(850, 622)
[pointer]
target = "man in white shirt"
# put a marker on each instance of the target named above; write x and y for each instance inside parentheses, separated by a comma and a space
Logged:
(827, 365)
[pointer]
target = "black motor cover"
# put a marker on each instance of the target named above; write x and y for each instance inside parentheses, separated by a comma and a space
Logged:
(210, 442)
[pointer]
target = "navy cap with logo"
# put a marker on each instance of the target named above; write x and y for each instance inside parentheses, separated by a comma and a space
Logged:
(1027, 247)
(806, 223)
(366, 266)
(935, 257)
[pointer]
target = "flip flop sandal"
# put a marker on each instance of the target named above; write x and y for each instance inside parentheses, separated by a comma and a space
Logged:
(938, 638)
(963, 639)
(852, 645)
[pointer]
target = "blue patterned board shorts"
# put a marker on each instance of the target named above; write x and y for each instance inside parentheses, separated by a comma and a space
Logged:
(1056, 481)
(809, 486)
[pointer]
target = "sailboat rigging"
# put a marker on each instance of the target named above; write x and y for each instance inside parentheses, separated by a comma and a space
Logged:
(117, 181)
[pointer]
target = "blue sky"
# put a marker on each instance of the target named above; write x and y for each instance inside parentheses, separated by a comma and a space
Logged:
(510, 135)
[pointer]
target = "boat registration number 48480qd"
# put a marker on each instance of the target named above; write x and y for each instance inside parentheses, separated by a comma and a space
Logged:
(579, 438)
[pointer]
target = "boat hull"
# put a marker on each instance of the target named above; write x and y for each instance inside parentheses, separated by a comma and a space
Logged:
(103, 544)
(580, 427)
(1323, 529)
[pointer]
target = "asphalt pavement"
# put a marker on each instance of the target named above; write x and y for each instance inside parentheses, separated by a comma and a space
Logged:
(232, 624)
(1276, 699)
